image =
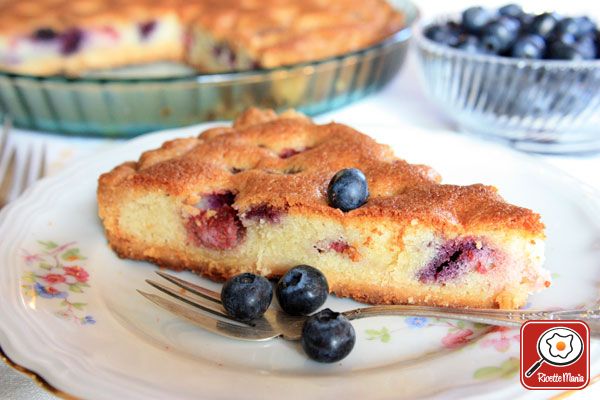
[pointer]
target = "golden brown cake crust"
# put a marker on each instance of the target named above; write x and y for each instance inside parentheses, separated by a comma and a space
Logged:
(271, 32)
(26, 16)
(247, 160)
(280, 32)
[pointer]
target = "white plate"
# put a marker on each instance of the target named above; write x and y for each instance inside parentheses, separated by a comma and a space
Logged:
(94, 337)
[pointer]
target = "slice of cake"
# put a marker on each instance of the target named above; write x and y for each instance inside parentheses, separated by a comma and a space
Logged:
(46, 37)
(253, 197)
(73, 37)
(237, 35)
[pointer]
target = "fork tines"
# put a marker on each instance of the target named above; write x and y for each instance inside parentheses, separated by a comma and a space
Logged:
(18, 170)
(212, 317)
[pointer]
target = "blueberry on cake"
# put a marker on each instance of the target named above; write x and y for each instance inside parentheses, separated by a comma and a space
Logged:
(46, 37)
(260, 197)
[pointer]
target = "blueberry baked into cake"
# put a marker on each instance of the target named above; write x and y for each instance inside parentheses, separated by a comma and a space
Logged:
(46, 37)
(254, 198)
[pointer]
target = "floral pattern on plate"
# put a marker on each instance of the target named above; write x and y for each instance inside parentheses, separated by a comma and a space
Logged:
(55, 273)
(461, 334)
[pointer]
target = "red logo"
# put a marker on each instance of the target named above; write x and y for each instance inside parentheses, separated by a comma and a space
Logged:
(555, 355)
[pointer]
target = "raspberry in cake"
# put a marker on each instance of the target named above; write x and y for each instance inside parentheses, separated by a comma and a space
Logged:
(75, 36)
(227, 202)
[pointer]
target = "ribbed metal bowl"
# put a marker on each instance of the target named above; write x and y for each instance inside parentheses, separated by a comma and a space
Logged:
(547, 106)
(122, 105)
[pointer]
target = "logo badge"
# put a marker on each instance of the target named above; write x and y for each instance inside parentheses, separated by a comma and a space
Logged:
(555, 355)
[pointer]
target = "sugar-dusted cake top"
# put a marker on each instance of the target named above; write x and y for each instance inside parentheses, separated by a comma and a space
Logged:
(271, 31)
(279, 32)
(27, 17)
(287, 161)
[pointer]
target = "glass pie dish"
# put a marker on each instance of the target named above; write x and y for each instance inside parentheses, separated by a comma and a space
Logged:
(131, 101)
(544, 106)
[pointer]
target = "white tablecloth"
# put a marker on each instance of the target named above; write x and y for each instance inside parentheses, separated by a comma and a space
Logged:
(401, 103)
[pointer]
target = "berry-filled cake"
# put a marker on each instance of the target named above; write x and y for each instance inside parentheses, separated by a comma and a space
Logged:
(46, 37)
(272, 192)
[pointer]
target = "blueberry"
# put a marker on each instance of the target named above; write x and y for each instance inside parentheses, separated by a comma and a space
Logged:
(565, 46)
(529, 46)
(475, 18)
(562, 37)
(146, 28)
(327, 336)
(70, 41)
(511, 23)
(585, 26)
(442, 34)
(302, 290)
(44, 34)
(562, 51)
(567, 25)
(348, 189)
(469, 43)
(491, 44)
(499, 35)
(435, 33)
(526, 19)
(587, 47)
(543, 24)
(578, 27)
(246, 296)
(511, 10)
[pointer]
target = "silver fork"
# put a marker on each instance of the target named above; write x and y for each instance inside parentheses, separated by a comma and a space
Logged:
(18, 172)
(276, 323)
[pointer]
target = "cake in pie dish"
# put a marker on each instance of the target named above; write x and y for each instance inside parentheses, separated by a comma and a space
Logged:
(46, 37)
(253, 198)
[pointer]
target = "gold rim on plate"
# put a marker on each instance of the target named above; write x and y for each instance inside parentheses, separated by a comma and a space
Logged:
(37, 379)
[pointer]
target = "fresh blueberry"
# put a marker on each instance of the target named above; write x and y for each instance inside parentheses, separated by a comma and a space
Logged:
(491, 44)
(543, 24)
(44, 34)
(567, 25)
(442, 34)
(302, 290)
(348, 189)
(511, 10)
(562, 51)
(469, 43)
(246, 296)
(435, 33)
(562, 37)
(526, 19)
(327, 336)
(511, 23)
(475, 18)
(529, 46)
(565, 46)
(499, 35)
(585, 26)
(587, 47)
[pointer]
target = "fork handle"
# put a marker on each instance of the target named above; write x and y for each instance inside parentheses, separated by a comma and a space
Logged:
(510, 318)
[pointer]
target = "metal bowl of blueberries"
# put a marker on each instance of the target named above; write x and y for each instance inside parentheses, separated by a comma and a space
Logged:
(530, 79)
